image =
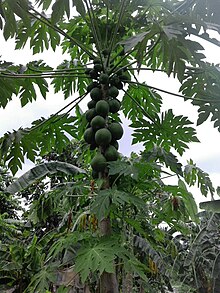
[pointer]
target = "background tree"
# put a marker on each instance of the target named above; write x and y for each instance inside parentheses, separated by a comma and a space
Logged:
(109, 43)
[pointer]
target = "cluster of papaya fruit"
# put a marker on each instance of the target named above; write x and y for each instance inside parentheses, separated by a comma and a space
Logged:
(103, 132)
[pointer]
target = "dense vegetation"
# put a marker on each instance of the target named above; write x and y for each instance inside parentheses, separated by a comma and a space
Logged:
(94, 220)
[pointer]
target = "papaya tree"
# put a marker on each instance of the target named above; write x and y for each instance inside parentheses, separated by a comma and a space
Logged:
(109, 44)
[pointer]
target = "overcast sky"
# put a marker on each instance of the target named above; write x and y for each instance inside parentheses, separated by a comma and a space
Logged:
(205, 154)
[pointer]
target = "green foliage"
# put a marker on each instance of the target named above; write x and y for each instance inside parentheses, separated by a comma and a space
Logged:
(143, 97)
(44, 136)
(194, 174)
(159, 153)
(171, 132)
(62, 225)
(97, 257)
(41, 171)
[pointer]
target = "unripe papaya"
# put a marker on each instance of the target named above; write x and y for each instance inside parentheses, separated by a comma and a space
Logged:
(116, 130)
(102, 108)
(91, 104)
(104, 78)
(111, 154)
(115, 144)
(98, 163)
(113, 92)
(89, 136)
(98, 67)
(93, 74)
(92, 85)
(98, 122)
(125, 77)
(87, 71)
(103, 137)
(90, 114)
(97, 61)
(96, 94)
(114, 105)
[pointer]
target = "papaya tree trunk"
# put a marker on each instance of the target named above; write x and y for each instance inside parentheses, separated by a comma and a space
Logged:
(128, 283)
(108, 281)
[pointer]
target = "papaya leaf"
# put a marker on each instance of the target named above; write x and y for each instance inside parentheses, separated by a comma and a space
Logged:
(98, 257)
(189, 202)
(120, 198)
(40, 282)
(80, 8)
(123, 168)
(205, 97)
(45, 135)
(133, 41)
(46, 3)
(9, 87)
(41, 171)
(19, 8)
(158, 153)
(40, 37)
(145, 98)
(59, 8)
(171, 131)
(193, 174)
(101, 206)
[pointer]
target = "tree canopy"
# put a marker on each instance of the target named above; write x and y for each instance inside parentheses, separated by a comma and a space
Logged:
(107, 219)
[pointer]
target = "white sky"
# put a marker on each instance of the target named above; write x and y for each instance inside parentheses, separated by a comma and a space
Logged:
(205, 154)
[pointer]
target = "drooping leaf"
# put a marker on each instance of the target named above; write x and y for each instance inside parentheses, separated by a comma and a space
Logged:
(41, 281)
(44, 136)
(193, 174)
(40, 171)
(189, 202)
(80, 8)
(158, 153)
(213, 206)
(100, 207)
(58, 9)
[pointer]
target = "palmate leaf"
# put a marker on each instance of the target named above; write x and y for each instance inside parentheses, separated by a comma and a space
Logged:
(59, 8)
(120, 198)
(158, 153)
(193, 174)
(98, 257)
(42, 281)
(19, 8)
(207, 10)
(149, 100)
(70, 84)
(40, 35)
(101, 206)
(62, 7)
(203, 85)
(171, 131)
(103, 201)
(43, 137)
(8, 87)
(123, 168)
(133, 41)
(41, 171)
(9, 25)
(25, 88)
